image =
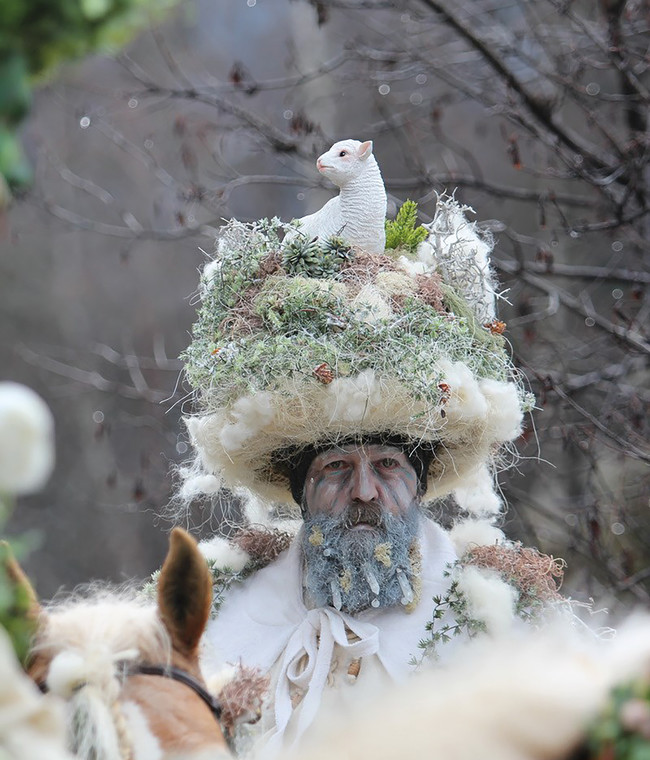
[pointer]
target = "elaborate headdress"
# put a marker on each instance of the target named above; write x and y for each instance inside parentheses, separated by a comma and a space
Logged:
(311, 342)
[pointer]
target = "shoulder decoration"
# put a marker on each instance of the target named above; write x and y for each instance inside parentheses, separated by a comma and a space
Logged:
(490, 587)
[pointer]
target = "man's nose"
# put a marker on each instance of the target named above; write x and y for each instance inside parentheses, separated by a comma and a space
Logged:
(364, 483)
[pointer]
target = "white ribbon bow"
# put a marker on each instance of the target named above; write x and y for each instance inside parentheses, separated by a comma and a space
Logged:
(315, 638)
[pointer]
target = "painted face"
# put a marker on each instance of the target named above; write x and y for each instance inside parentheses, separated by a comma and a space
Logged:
(357, 475)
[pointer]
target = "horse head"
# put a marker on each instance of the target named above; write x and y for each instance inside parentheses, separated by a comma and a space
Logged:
(127, 669)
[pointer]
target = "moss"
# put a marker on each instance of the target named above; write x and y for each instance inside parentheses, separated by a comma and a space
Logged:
(316, 536)
(383, 554)
(293, 304)
(256, 330)
(345, 579)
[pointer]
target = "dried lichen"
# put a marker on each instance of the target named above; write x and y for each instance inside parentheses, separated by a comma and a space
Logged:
(316, 536)
(383, 554)
(263, 545)
(345, 579)
(241, 698)
(536, 576)
(415, 559)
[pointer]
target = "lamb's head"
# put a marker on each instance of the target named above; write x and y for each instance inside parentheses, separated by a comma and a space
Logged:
(345, 161)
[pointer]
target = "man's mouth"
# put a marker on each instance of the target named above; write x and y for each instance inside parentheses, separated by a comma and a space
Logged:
(363, 518)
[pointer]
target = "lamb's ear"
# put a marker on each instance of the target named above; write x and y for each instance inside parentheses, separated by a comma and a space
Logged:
(365, 150)
(184, 592)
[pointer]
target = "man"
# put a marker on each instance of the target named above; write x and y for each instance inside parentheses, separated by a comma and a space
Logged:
(348, 602)
(362, 386)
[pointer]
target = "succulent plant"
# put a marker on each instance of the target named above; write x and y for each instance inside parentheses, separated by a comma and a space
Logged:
(314, 258)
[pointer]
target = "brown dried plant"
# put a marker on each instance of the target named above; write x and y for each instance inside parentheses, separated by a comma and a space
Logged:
(538, 576)
(262, 544)
(242, 697)
(363, 267)
(430, 291)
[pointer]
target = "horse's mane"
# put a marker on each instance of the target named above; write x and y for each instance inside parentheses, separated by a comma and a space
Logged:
(85, 637)
(117, 618)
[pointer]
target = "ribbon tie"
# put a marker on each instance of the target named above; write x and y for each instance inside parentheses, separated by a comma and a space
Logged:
(314, 639)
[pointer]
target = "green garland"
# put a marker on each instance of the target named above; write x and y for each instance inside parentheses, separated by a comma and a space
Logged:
(535, 578)
(439, 632)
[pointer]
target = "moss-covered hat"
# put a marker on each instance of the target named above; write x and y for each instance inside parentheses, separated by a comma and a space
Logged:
(315, 342)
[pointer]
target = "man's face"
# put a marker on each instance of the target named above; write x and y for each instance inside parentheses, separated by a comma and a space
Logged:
(357, 475)
(361, 525)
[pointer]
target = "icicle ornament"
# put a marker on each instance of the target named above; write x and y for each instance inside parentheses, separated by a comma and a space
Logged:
(337, 602)
(372, 579)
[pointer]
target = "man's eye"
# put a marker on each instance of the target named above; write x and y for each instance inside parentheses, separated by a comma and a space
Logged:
(337, 464)
(389, 464)
(343, 153)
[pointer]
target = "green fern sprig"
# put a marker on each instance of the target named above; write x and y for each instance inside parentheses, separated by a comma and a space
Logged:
(403, 233)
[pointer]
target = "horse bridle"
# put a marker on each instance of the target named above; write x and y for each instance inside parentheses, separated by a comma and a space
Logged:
(166, 671)
(176, 674)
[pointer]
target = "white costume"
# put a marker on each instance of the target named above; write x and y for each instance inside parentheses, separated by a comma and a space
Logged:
(265, 624)
(288, 356)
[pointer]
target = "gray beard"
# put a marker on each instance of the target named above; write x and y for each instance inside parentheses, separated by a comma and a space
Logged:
(355, 569)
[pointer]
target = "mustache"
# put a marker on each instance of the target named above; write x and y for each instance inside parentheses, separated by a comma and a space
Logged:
(366, 514)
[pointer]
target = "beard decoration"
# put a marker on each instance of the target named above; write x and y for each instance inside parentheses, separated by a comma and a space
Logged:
(365, 557)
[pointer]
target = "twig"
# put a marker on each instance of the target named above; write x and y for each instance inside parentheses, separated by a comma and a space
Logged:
(537, 106)
(93, 378)
(626, 445)
(579, 271)
(573, 303)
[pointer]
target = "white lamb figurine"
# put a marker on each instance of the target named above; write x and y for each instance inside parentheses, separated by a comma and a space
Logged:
(358, 212)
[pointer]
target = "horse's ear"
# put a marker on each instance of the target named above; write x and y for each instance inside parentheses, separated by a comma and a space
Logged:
(21, 581)
(184, 592)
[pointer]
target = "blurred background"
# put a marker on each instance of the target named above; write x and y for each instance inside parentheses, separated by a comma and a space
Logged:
(534, 113)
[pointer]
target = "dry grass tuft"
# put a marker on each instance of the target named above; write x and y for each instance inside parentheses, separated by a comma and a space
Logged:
(271, 264)
(538, 576)
(262, 544)
(430, 291)
(363, 267)
(242, 319)
(241, 698)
